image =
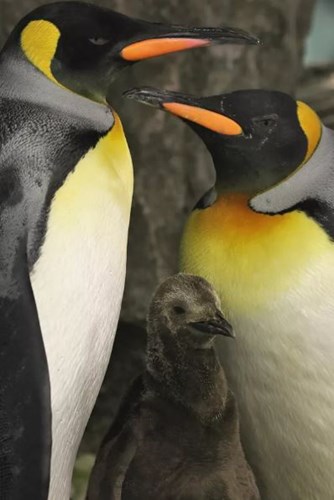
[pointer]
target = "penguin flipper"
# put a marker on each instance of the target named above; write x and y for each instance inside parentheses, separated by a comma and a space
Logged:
(25, 414)
(246, 480)
(117, 449)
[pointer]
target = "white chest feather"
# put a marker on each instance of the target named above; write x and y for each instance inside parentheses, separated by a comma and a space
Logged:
(78, 284)
(281, 368)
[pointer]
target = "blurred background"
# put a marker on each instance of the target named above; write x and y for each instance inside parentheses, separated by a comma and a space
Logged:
(171, 166)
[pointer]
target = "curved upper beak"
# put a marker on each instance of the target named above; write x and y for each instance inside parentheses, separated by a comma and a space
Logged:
(188, 108)
(217, 325)
(155, 39)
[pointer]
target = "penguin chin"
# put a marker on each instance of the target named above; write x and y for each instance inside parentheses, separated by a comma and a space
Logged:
(207, 343)
(200, 340)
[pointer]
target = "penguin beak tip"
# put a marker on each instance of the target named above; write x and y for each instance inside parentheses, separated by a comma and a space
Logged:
(226, 34)
(241, 36)
(145, 95)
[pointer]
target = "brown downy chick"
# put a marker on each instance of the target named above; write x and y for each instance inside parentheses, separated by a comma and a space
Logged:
(176, 436)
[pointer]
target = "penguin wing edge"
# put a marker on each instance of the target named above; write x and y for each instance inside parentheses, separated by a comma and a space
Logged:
(117, 449)
(25, 409)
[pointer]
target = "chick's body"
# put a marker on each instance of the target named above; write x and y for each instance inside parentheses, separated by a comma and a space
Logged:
(177, 433)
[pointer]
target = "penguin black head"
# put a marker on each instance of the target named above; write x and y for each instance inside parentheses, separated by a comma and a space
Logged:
(257, 138)
(187, 308)
(81, 46)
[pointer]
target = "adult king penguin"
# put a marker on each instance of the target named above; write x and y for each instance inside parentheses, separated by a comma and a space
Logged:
(264, 237)
(65, 197)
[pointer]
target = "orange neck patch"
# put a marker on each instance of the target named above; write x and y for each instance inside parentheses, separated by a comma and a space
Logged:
(232, 212)
(251, 258)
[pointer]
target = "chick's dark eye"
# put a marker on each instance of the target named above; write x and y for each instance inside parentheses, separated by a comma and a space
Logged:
(179, 310)
(98, 41)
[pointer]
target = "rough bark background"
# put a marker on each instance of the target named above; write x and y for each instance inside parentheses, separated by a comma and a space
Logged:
(172, 168)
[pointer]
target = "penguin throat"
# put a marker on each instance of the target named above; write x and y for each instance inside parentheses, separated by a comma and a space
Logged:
(250, 180)
(193, 378)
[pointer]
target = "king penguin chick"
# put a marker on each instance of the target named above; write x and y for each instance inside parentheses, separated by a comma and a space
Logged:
(177, 433)
(264, 237)
(65, 195)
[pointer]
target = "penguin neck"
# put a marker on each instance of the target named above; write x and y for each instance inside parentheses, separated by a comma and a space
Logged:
(234, 178)
(187, 376)
(22, 82)
(224, 188)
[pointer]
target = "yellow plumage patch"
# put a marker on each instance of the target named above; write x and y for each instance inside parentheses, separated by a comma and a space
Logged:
(104, 173)
(250, 258)
(311, 125)
(39, 41)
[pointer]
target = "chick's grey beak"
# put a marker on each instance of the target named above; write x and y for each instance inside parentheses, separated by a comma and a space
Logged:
(217, 325)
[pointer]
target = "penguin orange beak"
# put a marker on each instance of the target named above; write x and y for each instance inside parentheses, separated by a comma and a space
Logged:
(158, 47)
(188, 108)
(158, 39)
(204, 117)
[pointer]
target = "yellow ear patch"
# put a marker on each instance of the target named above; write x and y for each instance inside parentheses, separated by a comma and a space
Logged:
(311, 125)
(39, 41)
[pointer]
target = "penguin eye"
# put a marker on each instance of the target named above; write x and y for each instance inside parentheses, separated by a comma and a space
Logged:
(179, 310)
(265, 122)
(98, 41)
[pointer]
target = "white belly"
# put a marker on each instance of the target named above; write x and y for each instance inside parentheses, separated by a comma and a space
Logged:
(281, 368)
(78, 285)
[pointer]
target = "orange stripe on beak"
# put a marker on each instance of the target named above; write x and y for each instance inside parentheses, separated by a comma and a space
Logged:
(159, 46)
(209, 119)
